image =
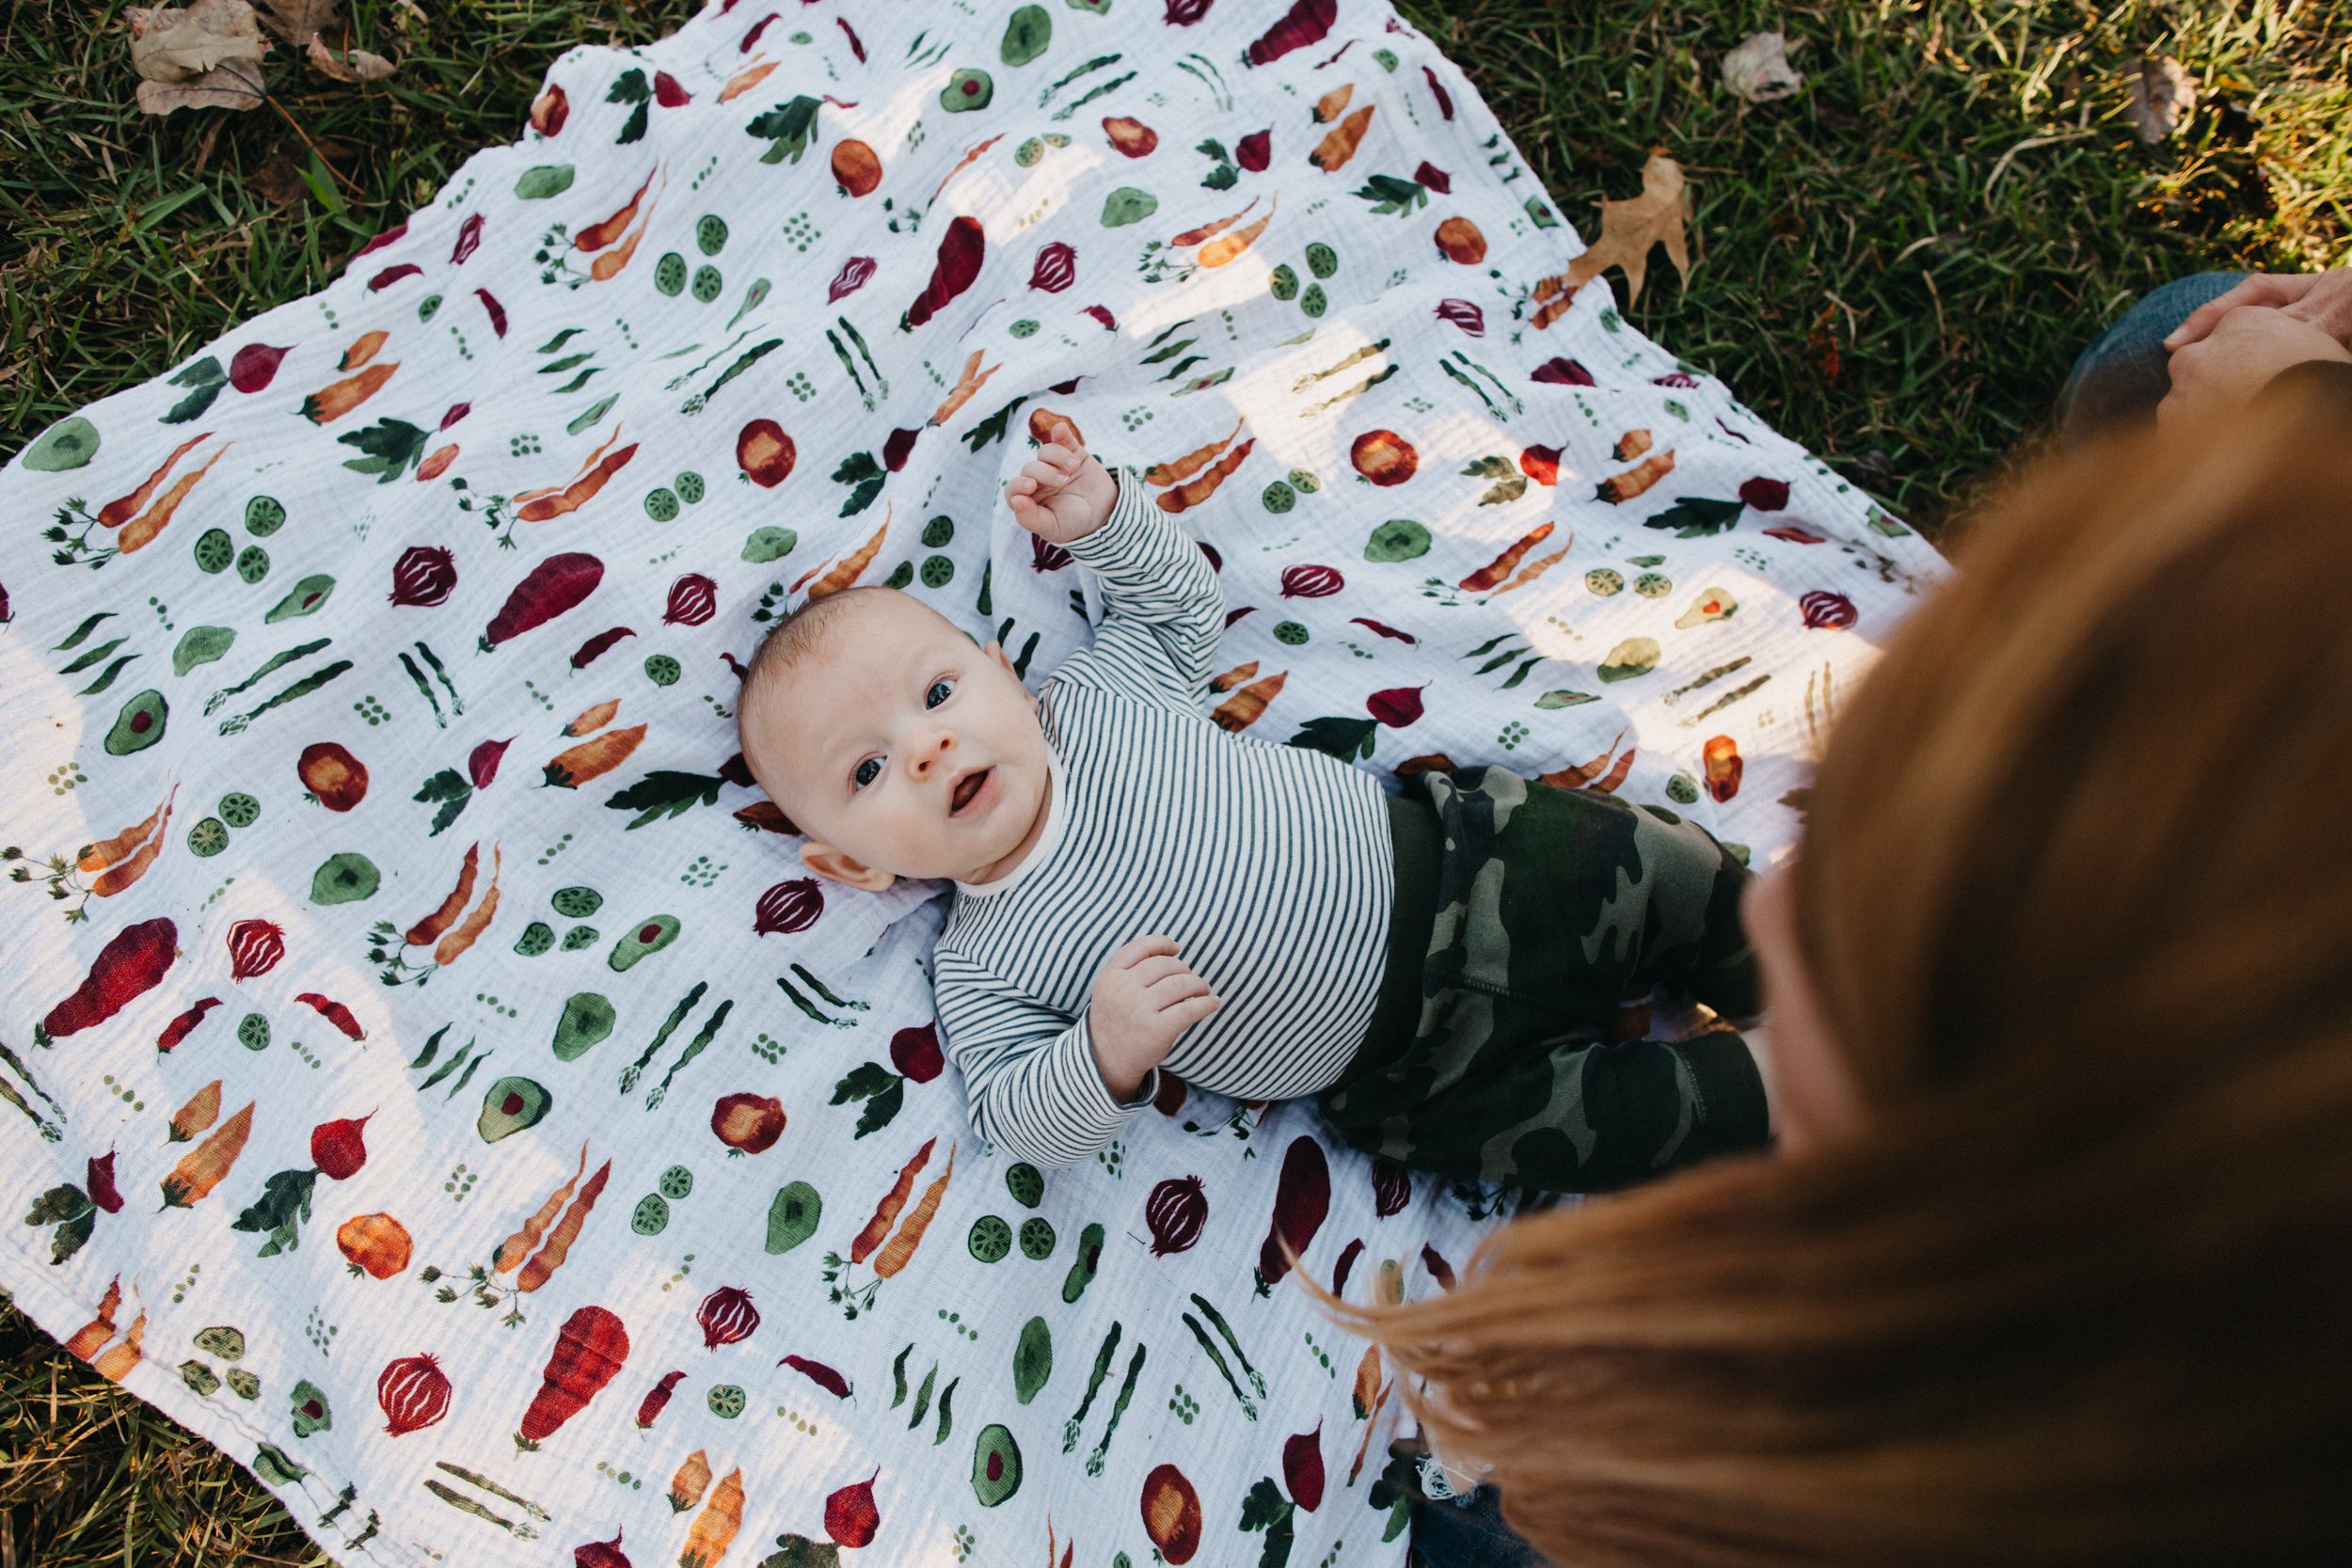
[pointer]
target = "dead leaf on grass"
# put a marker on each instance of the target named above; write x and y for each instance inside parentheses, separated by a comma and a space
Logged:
(1758, 71)
(278, 181)
(1628, 229)
(356, 65)
(298, 21)
(2163, 95)
(205, 57)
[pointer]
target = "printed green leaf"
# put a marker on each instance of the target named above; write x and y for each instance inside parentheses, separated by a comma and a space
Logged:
(1344, 738)
(789, 126)
(392, 447)
(666, 792)
(866, 1078)
(1697, 516)
(207, 378)
(1390, 193)
(451, 789)
(882, 1108)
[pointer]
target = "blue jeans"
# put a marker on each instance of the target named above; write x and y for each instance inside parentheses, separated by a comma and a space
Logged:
(2118, 380)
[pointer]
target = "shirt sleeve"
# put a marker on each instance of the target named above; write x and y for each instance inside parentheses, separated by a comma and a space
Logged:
(1163, 609)
(1028, 1071)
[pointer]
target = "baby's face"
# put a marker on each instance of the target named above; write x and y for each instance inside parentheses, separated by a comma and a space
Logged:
(900, 745)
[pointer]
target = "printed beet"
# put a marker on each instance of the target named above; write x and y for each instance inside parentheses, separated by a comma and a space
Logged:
(1302, 1198)
(1055, 269)
(788, 906)
(1174, 1214)
(850, 1517)
(1397, 707)
(1302, 1467)
(656, 1398)
(255, 947)
(1434, 177)
(601, 1554)
(726, 1316)
(1255, 150)
(693, 600)
(1305, 23)
(765, 453)
(1765, 495)
(413, 1393)
(132, 960)
(960, 251)
(915, 1052)
(1311, 582)
(98, 1180)
(748, 1123)
(589, 1350)
(1383, 456)
(669, 92)
(339, 1148)
(254, 366)
(557, 584)
(332, 774)
(1392, 1187)
(482, 763)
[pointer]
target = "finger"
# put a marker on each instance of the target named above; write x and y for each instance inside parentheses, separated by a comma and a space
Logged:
(1160, 966)
(1140, 948)
(2260, 289)
(1163, 994)
(1187, 1013)
(1023, 483)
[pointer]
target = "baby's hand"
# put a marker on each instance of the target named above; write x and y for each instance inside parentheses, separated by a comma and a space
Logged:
(1143, 999)
(1062, 494)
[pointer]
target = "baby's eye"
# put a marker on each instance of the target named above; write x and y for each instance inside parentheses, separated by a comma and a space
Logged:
(941, 690)
(866, 772)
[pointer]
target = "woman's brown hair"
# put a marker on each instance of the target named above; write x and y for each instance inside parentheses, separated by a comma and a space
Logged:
(2076, 892)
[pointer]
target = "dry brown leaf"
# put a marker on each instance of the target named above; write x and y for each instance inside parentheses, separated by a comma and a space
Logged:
(356, 65)
(278, 181)
(2163, 95)
(298, 21)
(1628, 229)
(1758, 71)
(169, 44)
(235, 86)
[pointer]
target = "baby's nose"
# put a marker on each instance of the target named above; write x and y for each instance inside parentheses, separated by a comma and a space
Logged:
(933, 753)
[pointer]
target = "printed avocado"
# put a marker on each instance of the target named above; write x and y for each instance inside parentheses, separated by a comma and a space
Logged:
(769, 544)
(995, 1465)
(70, 443)
(1128, 205)
(345, 878)
(305, 598)
(1398, 539)
(968, 89)
(1089, 1259)
(140, 726)
(792, 1218)
(510, 1105)
(1032, 1360)
(1026, 35)
(587, 1019)
(311, 1410)
(649, 937)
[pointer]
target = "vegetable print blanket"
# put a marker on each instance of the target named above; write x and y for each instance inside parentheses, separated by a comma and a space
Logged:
(429, 1074)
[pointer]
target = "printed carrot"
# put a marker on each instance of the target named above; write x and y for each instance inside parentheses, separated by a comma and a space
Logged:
(550, 1257)
(1538, 566)
(961, 164)
(1234, 676)
(594, 718)
(1633, 444)
(334, 1012)
(746, 80)
(332, 401)
(117, 878)
(513, 1250)
(1339, 145)
(596, 236)
(201, 1168)
(896, 1199)
(179, 1028)
(140, 531)
(95, 1333)
(1577, 776)
(900, 1250)
(130, 965)
(1616, 776)
(363, 348)
(1242, 708)
(608, 266)
(105, 853)
(582, 472)
(692, 1479)
(453, 947)
(714, 1527)
(1504, 565)
(1201, 487)
(846, 574)
(593, 758)
(578, 493)
(1226, 247)
(1334, 104)
(437, 463)
(120, 511)
(589, 1350)
(1364, 1445)
(1190, 464)
(1625, 486)
(432, 926)
(1367, 1388)
(202, 1109)
(1194, 236)
(115, 1362)
(968, 381)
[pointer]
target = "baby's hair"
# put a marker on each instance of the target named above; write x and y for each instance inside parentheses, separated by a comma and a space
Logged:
(791, 640)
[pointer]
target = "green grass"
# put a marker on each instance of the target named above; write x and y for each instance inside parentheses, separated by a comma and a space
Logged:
(1894, 268)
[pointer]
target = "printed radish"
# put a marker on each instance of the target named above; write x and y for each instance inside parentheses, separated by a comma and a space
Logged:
(1404, 637)
(656, 1398)
(1174, 1214)
(589, 1350)
(962, 250)
(1765, 495)
(748, 1123)
(601, 1554)
(555, 585)
(850, 1517)
(253, 367)
(334, 1012)
(1302, 1198)
(179, 1028)
(413, 1393)
(482, 763)
(726, 1316)
(693, 600)
(98, 1180)
(596, 646)
(914, 1052)
(1311, 582)
(1302, 1467)
(818, 1372)
(255, 947)
(1541, 464)
(423, 576)
(1392, 1187)
(129, 966)
(549, 112)
(339, 1148)
(1341, 1270)
(788, 906)
(1397, 707)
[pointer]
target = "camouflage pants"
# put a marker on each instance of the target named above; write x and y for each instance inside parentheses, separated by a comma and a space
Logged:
(1551, 907)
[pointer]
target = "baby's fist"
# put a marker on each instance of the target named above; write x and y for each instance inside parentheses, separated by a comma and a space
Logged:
(1062, 494)
(1143, 999)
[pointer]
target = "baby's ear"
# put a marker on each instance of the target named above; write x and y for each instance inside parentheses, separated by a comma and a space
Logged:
(831, 864)
(996, 651)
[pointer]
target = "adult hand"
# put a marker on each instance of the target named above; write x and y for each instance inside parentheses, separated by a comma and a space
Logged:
(2236, 357)
(2320, 299)
(1143, 999)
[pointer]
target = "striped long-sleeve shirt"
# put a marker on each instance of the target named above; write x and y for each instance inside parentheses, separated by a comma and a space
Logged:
(1270, 865)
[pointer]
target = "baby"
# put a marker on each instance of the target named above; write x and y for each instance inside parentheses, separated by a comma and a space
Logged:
(1137, 888)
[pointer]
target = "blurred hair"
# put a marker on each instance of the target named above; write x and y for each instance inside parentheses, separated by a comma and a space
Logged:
(2076, 892)
(790, 642)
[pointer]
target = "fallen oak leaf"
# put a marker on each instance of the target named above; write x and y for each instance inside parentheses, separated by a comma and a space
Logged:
(1758, 71)
(2163, 95)
(236, 86)
(1628, 229)
(298, 22)
(356, 65)
(171, 44)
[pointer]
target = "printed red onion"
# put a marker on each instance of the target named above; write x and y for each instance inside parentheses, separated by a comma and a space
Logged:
(1056, 268)
(469, 239)
(1825, 610)
(413, 1392)
(1392, 1187)
(1175, 1212)
(1464, 314)
(601, 1554)
(255, 946)
(726, 1316)
(1560, 371)
(851, 278)
(788, 906)
(1435, 178)
(423, 576)
(1046, 555)
(693, 600)
(1311, 582)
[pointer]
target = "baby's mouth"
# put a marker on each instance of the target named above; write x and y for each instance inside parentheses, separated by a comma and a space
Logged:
(966, 788)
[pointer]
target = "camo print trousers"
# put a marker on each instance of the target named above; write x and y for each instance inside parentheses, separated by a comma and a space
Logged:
(1495, 1054)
